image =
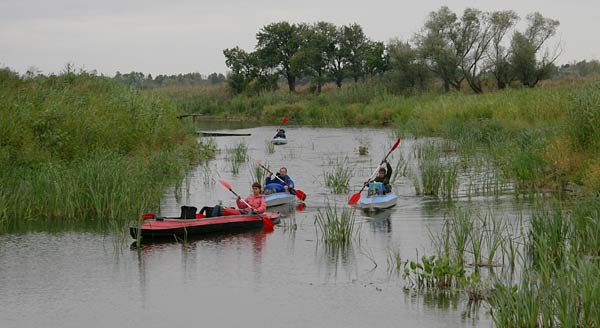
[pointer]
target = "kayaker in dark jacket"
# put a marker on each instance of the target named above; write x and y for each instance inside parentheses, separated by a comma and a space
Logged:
(280, 134)
(282, 182)
(384, 175)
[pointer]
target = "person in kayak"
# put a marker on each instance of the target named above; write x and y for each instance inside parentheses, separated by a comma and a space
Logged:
(256, 201)
(281, 183)
(384, 175)
(280, 134)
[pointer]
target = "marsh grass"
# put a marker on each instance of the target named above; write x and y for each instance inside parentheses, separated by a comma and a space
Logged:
(338, 180)
(237, 156)
(269, 147)
(394, 260)
(363, 145)
(438, 174)
(336, 226)
(257, 173)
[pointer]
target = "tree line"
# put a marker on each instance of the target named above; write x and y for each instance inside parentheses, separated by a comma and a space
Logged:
(143, 81)
(472, 48)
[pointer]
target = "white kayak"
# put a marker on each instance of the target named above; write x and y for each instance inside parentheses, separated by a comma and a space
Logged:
(279, 198)
(279, 141)
(377, 201)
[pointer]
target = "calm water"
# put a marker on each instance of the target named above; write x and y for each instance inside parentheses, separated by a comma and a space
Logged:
(286, 278)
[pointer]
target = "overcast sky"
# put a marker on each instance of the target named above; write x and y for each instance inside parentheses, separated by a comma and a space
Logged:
(185, 36)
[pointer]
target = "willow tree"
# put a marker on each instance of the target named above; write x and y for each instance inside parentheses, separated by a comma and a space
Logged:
(280, 42)
(526, 46)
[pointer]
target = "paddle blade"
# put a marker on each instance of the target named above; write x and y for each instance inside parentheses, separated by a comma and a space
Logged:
(300, 207)
(227, 185)
(285, 119)
(395, 145)
(354, 199)
(268, 225)
(300, 194)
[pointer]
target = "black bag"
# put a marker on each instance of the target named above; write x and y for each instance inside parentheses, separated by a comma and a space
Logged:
(217, 211)
(188, 212)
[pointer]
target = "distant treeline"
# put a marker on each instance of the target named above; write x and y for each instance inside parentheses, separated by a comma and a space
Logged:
(481, 50)
(143, 81)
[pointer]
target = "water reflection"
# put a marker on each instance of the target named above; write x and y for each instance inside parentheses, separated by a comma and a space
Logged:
(336, 258)
(379, 220)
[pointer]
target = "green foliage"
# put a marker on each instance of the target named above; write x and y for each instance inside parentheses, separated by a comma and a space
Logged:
(433, 272)
(83, 148)
(583, 115)
(336, 226)
(339, 179)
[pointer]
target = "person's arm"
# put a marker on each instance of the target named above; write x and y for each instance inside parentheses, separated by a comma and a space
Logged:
(290, 182)
(388, 175)
(240, 204)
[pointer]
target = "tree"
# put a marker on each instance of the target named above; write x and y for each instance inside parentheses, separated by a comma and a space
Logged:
(375, 58)
(475, 34)
(352, 47)
(280, 42)
(406, 72)
(318, 51)
(242, 69)
(525, 47)
(498, 54)
(339, 61)
(436, 48)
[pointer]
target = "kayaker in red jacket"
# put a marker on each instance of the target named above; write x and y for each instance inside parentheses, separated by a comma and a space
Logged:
(257, 202)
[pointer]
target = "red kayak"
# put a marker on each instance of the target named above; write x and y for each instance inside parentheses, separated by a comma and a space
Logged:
(159, 227)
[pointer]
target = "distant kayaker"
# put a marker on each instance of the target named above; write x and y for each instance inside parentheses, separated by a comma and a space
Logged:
(281, 183)
(280, 134)
(384, 175)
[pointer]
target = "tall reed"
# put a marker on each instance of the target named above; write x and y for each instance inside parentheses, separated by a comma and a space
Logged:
(338, 180)
(336, 226)
(237, 156)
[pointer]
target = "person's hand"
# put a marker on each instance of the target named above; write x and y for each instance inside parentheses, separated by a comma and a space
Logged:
(239, 197)
(270, 174)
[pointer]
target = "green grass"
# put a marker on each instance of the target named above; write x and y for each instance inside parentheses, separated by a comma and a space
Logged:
(338, 178)
(82, 151)
(336, 226)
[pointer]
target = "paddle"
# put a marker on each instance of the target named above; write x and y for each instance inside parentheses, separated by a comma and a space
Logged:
(356, 196)
(267, 223)
(285, 119)
(299, 193)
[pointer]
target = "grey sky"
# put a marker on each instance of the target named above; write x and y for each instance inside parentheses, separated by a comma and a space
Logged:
(184, 36)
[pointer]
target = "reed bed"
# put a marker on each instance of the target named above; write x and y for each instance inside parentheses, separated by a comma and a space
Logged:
(257, 174)
(336, 226)
(83, 151)
(438, 175)
(338, 180)
(237, 156)
(269, 147)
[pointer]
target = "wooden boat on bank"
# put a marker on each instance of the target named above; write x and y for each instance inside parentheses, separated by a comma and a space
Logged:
(163, 227)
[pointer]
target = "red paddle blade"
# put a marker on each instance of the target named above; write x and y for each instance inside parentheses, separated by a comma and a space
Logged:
(285, 119)
(268, 225)
(300, 194)
(354, 199)
(395, 145)
(300, 207)
(227, 185)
